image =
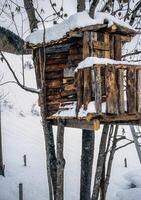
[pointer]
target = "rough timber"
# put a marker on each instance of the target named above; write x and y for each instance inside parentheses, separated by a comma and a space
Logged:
(116, 85)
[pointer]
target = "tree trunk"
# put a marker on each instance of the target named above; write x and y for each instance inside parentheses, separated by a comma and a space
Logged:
(80, 5)
(51, 158)
(60, 161)
(86, 164)
(33, 23)
(100, 162)
(93, 7)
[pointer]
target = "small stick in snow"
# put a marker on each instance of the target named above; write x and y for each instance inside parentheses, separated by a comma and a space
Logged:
(24, 158)
(20, 191)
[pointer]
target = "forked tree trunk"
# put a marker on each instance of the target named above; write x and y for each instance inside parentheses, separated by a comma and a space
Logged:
(100, 162)
(88, 138)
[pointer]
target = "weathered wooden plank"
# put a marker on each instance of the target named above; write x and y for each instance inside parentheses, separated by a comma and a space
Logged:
(117, 47)
(131, 90)
(54, 75)
(79, 86)
(98, 92)
(69, 87)
(121, 90)
(111, 91)
(87, 94)
(54, 83)
(86, 39)
(52, 61)
(60, 161)
(58, 48)
(101, 46)
(55, 67)
(107, 44)
(93, 83)
(139, 90)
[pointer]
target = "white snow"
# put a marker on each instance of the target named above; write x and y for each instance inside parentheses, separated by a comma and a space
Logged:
(90, 61)
(77, 20)
(70, 110)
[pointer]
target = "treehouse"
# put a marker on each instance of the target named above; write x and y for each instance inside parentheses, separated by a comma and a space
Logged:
(79, 70)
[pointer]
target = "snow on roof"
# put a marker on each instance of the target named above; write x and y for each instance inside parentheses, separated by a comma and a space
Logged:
(90, 61)
(78, 20)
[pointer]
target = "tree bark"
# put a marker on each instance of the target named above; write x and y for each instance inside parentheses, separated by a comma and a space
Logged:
(100, 162)
(60, 162)
(51, 158)
(93, 7)
(29, 7)
(80, 5)
(88, 138)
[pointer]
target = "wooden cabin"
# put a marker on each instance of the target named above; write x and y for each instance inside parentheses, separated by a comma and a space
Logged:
(68, 92)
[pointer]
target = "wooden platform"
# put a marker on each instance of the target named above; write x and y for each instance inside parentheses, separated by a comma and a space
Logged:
(89, 123)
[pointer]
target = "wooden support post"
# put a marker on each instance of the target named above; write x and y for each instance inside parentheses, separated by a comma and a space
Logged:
(106, 41)
(79, 86)
(25, 160)
(88, 138)
(111, 90)
(125, 162)
(60, 161)
(20, 191)
(131, 90)
(98, 91)
(100, 162)
(121, 90)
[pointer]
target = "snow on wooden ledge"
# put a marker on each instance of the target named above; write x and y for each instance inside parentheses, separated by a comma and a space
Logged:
(78, 20)
(90, 61)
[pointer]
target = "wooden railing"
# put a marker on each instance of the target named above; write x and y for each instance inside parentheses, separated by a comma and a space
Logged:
(119, 86)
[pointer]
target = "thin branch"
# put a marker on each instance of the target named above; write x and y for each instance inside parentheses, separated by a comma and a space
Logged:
(32, 90)
(124, 145)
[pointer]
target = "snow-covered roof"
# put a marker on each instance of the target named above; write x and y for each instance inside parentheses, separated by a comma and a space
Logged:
(90, 61)
(78, 20)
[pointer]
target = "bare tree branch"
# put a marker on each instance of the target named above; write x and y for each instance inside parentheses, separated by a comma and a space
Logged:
(28, 89)
(134, 13)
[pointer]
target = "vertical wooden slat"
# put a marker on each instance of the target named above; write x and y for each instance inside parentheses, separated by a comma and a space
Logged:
(79, 86)
(98, 92)
(106, 41)
(93, 82)
(117, 47)
(87, 95)
(86, 47)
(111, 90)
(131, 90)
(60, 161)
(139, 90)
(121, 90)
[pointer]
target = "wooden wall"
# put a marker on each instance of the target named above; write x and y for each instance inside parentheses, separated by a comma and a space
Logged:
(55, 67)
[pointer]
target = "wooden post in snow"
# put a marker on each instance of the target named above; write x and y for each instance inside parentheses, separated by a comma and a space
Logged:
(60, 161)
(20, 191)
(1, 154)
